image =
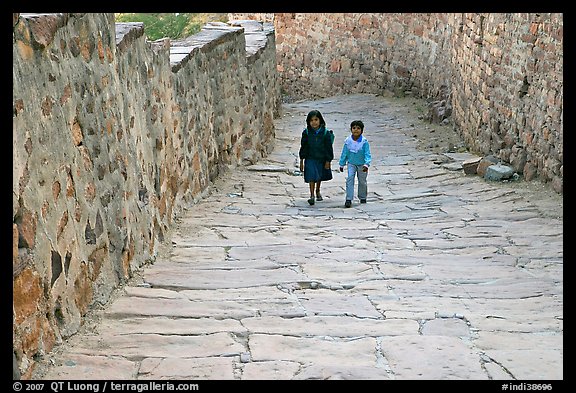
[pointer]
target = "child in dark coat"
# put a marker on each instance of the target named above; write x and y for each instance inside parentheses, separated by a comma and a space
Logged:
(316, 153)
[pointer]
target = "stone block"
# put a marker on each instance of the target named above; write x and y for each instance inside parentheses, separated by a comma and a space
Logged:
(470, 166)
(498, 172)
(484, 164)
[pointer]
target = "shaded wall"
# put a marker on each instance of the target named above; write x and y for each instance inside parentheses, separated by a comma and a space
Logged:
(500, 75)
(112, 136)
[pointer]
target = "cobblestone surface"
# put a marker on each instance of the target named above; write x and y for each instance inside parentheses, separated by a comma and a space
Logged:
(441, 275)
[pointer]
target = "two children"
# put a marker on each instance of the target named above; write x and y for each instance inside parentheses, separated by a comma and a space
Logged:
(316, 153)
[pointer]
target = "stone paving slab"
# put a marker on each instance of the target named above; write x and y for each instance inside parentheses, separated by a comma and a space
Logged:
(343, 372)
(420, 307)
(183, 265)
(77, 366)
(216, 278)
(270, 370)
(440, 276)
(455, 327)
(328, 302)
(129, 307)
(313, 350)
(140, 346)
(503, 315)
(339, 272)
(432, 358)
(504, 340)
(218, 368)
(171, 326)
(524, 364)
(331, 326)
(263, 294)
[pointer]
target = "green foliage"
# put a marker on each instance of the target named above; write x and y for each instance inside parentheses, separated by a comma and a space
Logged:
(170, 25)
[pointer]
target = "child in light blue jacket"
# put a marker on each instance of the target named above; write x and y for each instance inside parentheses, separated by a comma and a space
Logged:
(356, 152)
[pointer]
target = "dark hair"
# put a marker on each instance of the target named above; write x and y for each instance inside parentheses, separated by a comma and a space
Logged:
(357, 123)
(317, 114)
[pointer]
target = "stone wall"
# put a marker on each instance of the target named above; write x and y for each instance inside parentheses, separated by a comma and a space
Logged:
(112, 136)
(499, 75)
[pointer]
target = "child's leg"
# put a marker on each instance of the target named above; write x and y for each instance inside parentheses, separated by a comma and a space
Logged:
(312, 186)
(362, 184)
(318, 187)
(350, 182)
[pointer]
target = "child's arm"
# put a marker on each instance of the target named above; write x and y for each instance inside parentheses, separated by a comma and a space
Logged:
(343, 157)
(303, 149)
(329, 150)
(303, 145)
(367, 157)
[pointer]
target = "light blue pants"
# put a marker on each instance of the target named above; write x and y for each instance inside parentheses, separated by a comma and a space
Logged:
(353, 171)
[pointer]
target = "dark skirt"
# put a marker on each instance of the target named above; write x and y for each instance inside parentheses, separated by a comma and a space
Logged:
(314, 171)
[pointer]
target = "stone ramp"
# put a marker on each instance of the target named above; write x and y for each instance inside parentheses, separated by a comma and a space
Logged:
(440, 276)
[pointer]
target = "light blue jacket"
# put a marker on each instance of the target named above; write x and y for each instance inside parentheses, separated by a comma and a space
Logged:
(356, 152)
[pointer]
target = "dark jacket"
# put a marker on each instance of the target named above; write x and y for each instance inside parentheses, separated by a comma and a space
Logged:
(316, 146)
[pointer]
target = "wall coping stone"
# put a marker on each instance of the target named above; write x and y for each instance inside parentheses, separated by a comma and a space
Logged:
(127, 33)
(44, 26)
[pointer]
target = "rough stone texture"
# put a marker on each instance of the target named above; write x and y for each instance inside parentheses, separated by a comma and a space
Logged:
(86, 367)
(187, 369)
(113, 136)
(466, 285)
(470, 166)
(446, 358)
(501, 74)
(498, 172)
